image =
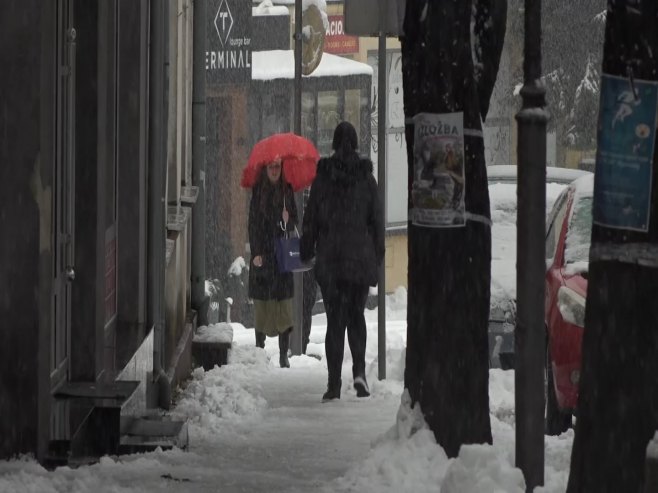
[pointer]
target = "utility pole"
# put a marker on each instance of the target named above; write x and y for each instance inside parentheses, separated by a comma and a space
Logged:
(382, 94)
(298, 277)
(530, 336)
(449, 240)
(618, 396)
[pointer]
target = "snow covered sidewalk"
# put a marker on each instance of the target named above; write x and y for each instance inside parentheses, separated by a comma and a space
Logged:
(255, 427)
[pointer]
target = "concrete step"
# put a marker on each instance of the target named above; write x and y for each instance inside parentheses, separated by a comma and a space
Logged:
(146, 434)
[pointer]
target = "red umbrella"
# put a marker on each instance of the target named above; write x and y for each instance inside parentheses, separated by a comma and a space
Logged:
(299, 157)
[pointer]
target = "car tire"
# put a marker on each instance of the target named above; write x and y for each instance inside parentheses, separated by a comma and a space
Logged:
(557, 420)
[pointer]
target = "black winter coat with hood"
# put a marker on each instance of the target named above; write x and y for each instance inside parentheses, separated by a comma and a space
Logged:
(343, 222)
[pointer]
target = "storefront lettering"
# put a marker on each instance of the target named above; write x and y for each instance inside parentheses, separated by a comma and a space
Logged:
(335, 27)
(336, 41)
(228, 59)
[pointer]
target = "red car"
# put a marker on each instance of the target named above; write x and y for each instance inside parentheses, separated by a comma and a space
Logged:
(568, 233)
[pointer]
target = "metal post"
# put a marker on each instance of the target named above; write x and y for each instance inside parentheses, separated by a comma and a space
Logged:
(199, 298)
(531, 267)
(298, 300)
(157, 163)
(381, 179)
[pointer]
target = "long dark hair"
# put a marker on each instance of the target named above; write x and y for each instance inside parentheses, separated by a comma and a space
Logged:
(270, 195)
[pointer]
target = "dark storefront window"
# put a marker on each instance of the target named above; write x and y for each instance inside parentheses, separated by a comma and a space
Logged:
(353, 109)
(308, 116)
(328, 118)
(276, 114)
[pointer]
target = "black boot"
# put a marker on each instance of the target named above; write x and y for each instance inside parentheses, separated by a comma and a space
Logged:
(284, 344)
(361, 386)
(333, 391)
(260, 339)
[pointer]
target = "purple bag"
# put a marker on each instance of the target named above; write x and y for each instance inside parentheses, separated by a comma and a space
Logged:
(287, 254)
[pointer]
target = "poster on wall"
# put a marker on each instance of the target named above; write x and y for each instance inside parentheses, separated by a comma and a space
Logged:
(624, 159)
(228, 59)
(437, 192)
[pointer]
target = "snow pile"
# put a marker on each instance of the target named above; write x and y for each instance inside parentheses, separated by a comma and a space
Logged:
(501, 394)
(480, 468)
(221, 332)
(236, 267)
(232, 391)
(406, 458)
(130, 474)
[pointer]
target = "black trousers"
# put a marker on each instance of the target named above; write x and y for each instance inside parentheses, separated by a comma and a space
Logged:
(344, 303)
(309, 298)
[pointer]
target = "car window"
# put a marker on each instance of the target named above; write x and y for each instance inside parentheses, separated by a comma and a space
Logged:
(556, 219)
(580, 231)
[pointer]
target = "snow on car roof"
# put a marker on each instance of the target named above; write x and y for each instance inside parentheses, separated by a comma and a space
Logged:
(584, 186)
(280, 64)
(553, 174)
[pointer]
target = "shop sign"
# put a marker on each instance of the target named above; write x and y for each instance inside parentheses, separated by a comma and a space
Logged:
(228, 59)
(336, 41)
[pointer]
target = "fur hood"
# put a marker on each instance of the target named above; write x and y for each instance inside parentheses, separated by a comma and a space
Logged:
(347, 171)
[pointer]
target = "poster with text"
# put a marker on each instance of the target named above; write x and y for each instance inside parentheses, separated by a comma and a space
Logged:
(624, 159)
(439, 177)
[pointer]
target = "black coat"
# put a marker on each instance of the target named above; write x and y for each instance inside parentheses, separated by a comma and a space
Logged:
(266, 282)
(343, 222)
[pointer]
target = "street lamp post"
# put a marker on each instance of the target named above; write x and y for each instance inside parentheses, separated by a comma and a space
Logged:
(298, 299)
(531, 263)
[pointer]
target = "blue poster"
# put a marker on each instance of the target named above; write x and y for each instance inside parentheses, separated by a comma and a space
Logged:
(624, 160)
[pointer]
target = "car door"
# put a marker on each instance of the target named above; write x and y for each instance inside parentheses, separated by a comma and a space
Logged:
(555, 253)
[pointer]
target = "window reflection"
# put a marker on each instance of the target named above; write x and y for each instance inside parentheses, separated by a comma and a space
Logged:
(328, 118)
(308, 115)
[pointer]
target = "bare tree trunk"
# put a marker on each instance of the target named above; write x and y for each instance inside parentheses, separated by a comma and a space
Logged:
(450, 268)
(618, 402)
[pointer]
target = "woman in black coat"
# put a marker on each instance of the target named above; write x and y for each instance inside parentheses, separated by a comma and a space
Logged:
(272, 209)
(344, 230)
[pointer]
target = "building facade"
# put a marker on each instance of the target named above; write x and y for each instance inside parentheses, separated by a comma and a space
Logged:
(95, 157)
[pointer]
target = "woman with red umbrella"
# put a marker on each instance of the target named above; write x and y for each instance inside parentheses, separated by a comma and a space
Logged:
(278, 166)
(272, 211)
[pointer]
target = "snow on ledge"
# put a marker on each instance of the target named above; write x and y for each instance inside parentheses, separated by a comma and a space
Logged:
(280, 64)
(266, 8)
(221, 332)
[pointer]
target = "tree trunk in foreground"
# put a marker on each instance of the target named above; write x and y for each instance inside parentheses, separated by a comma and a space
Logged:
(450, 267)
(618, 401)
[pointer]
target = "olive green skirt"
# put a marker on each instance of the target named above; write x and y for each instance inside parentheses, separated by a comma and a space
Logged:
(272, 317)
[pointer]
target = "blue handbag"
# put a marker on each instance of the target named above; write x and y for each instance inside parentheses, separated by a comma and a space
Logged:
(287, 254)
